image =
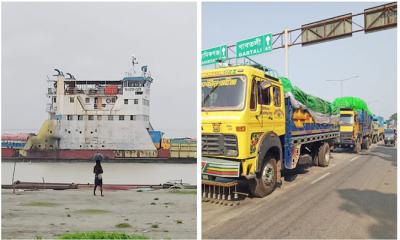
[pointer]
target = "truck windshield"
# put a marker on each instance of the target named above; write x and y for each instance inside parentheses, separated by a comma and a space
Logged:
(226, 93)
(389, 131)
(346, 119)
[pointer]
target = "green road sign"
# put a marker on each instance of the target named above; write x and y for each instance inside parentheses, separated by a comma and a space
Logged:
(254, 46)
(212, 55)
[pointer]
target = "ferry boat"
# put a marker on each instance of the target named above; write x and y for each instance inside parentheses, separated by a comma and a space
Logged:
(110, 117)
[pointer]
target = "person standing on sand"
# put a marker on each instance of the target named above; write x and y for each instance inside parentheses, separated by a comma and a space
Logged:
(98, 177)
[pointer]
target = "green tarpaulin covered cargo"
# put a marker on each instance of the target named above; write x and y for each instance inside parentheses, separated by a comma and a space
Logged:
(350, 102)
(315, 104)
(319, 105)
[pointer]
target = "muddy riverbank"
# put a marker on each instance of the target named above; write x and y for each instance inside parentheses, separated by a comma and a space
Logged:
(49, 213)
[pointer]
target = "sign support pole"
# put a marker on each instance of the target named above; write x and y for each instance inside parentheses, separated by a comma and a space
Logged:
(286, 52)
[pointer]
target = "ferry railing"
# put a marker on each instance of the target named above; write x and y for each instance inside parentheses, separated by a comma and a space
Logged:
(90, 91)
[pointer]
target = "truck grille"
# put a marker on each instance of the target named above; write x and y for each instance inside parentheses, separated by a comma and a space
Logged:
(218, 144)
(346, 135)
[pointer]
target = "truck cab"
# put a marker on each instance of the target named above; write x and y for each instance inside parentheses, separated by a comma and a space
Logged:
(240, 106)
(355, 130)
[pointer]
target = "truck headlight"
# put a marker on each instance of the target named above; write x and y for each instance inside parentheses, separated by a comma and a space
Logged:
(231, 153)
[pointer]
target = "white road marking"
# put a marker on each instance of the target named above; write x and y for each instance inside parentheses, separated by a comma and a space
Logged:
(354, 158)
(382, 155)
(318, 179)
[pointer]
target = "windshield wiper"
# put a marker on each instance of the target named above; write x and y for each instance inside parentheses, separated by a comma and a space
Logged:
(209, 94)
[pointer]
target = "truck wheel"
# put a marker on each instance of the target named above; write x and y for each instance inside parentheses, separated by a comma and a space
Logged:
(357, 148)
(324, 155)
(365, 144)
(265, 182)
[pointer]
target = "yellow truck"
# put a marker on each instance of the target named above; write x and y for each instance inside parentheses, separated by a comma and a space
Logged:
(378, 124)
(252, 133)
(355, 129)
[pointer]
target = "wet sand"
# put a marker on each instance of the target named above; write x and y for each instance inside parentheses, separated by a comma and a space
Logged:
(114, 173)
(49, 213)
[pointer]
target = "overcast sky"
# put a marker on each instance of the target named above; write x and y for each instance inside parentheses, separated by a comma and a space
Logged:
(96, 41)
(370, 56)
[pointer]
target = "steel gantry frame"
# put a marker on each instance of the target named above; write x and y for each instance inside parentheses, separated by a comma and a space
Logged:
(293, 37)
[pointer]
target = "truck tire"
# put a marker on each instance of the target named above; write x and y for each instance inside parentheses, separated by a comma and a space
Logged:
(324, 155)
(357, 148)
(365, 144)
(265, 181)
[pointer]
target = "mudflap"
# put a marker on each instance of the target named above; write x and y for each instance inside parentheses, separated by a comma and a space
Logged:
(222, 191)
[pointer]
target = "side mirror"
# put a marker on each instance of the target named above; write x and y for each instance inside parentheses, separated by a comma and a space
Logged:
(259, 111)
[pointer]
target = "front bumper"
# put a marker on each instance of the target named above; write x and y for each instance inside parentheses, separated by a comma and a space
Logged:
(220, 167)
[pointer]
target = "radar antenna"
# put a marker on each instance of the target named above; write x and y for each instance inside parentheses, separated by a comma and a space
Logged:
(134, 61)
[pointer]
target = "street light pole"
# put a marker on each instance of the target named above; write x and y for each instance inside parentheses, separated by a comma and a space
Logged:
(341, 83)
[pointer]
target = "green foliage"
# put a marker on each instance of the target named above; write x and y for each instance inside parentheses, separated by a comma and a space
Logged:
(92, 211)
(123, 225)
(41, 204)
(101, 235)
(154, 226)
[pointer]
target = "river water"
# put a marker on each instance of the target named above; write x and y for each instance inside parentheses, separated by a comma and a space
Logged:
(114, 173)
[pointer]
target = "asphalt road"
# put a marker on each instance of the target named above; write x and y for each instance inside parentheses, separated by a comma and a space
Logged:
(355, 197)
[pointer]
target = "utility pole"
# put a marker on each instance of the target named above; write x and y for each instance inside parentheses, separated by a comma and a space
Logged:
(341, 83)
